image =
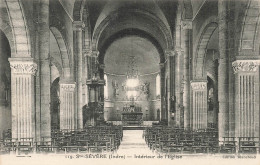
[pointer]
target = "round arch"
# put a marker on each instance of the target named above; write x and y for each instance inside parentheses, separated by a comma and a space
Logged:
(112, 17)
(57, 64)
(130, 32)
(250, 23)
(6, 29)
(212, 77)
(63, 48)
(201, 48)
(19, 28)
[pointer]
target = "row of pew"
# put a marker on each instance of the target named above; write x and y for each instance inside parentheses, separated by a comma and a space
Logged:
(165, 139)
(240, 145)
(98, 139)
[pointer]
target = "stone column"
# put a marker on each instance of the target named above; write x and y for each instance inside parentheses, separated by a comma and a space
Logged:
(177, 88)
(78, 27)
(67, 106)
(101, 70)
(223, 71)
(22, 91)
(246, 98)
(170, 88)
(187, 35)
(44, 69)
(215, 91)
(199, 102)
(163, 115)
(87, 76)
(94, 63)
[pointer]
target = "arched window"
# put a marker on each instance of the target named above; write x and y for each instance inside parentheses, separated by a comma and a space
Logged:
(106, 87)
(158, 85)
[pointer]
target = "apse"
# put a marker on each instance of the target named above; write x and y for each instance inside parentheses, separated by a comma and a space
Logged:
(131, 68)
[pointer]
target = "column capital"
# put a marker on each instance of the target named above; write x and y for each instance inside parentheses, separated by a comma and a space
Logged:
(169, 52)
(78, 25)
(186, 24)
(23, 65)
(94, 53)
(245, 65)
(68, 87)
(199, 85)
(88, 52)
(177, 51)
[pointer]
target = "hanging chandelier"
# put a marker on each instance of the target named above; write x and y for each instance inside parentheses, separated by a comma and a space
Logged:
(132, 83)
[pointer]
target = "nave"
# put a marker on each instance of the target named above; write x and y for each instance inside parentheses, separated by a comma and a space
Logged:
(187, 71)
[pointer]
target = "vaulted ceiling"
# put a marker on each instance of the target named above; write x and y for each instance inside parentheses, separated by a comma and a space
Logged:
(100, 9)
(118, 54)
(112, 23)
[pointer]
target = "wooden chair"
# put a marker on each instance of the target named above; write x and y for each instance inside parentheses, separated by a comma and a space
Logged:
(24, 145)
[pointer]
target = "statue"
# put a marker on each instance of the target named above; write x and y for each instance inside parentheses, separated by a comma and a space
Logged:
(115, 89)
(145, 89)
(210, 100)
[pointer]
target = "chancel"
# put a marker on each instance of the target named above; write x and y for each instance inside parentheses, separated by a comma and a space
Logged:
(132, 112)
(141, 76)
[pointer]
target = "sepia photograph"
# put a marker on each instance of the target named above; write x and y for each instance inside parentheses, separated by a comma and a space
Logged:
(129, 82)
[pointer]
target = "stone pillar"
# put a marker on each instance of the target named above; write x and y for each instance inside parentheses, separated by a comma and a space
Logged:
(94, 64)
(170, 88)
(87, 76)
(215, 91)
(223, 71)
(22, 91)
(44, 69)
(199, 102)
(163, 115)
(67, 107)
(246, 98)
(78, 27)
(187, 35)
(101, 70)
(177, 88)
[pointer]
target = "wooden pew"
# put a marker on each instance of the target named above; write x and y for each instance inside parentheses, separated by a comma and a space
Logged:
(249, 145)
(228, 145)
(25, 145)
(177, 140)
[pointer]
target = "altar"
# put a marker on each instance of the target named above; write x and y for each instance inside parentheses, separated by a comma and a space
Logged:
(132, 113)
(132, 116)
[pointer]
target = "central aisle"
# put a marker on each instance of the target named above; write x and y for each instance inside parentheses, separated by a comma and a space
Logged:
(133, 143)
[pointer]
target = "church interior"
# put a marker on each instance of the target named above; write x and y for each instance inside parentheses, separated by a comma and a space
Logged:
(87, 76)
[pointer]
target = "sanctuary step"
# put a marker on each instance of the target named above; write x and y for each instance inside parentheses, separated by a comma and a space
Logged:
(134, 127)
